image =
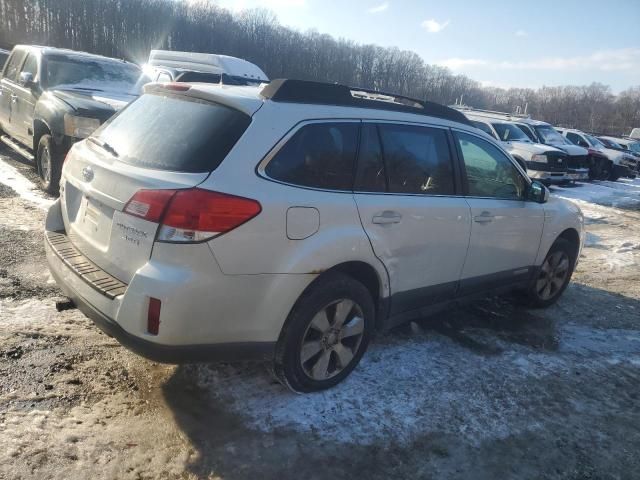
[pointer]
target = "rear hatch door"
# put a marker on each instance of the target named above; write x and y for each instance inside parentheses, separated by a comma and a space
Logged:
(159, 142)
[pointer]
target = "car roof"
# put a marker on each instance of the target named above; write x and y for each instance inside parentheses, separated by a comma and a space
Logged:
(360, 103)
(206, 63)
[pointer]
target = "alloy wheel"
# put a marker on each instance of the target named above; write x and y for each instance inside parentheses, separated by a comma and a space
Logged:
(45, 165)
(332, 339)
(553, 275)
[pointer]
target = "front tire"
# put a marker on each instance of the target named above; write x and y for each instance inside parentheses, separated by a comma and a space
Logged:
(553, 276)
(325, 335)
(49, 164)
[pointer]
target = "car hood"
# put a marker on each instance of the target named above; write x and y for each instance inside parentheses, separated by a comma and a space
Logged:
(573, 150)
(90, 102)
(532, 148)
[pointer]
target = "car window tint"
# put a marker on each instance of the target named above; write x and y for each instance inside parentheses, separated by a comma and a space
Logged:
(198, 77)
(31, 65)
(527, 131)
(319, 155)
(146, 133)
(371, 175)
(484, 127)
(575, 138)
(13, 65)
(417, 159)
(490, 173)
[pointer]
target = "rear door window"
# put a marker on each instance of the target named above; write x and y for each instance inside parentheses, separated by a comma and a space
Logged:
(417, 159)
(371, 175)
(176, 133)
(319, 155)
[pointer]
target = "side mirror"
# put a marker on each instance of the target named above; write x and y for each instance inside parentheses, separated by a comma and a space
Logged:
(26, 79)
(538, 192)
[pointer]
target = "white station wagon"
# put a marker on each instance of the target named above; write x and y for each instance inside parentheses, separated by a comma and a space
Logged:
(292, 222)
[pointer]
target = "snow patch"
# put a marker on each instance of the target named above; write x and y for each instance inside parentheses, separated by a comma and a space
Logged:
(26, 189)
(422, 383)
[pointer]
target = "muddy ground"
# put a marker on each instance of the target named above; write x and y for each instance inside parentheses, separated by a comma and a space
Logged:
(485, 391)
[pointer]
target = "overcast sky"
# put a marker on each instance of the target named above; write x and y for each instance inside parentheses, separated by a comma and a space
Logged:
(503, 43)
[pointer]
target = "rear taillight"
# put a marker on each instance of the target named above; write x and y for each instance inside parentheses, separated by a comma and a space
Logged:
(192, 215)
(149, 204)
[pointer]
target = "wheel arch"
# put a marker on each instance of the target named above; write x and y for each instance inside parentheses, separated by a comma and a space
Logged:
(571, 235)
(40, 128)
(367, 275)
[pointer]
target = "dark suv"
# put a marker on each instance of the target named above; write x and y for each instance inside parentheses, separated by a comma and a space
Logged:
(50, 98)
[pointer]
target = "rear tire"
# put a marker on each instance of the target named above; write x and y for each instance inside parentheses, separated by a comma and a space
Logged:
(553, 276)
(49, 165)
(325, 335)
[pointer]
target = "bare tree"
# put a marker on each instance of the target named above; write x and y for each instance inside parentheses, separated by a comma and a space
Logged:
(130, 28)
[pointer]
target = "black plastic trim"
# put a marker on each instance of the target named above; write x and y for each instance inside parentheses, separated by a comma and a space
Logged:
(218, 352)
(319, 93)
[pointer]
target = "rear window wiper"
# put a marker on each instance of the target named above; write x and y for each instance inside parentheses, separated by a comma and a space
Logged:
(104, 146)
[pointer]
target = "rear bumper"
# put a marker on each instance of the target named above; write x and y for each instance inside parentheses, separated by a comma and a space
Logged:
(72, 285)
(168, 353)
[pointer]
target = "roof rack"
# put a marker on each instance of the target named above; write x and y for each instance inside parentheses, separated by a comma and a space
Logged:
(494, 113)
(319, 93)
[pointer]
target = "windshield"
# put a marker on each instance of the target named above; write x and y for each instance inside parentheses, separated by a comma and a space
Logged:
(611, 143)
(550, 135)
(94, 74)
(510, 133)
(634, 147)
(594, 141)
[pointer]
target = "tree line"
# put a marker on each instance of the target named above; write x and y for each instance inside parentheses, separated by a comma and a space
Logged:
(129, 29)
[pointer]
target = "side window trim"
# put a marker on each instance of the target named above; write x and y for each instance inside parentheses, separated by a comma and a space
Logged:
(457, 180)
(465, 181)
(279, 145)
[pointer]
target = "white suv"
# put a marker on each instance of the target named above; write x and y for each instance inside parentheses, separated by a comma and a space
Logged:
(213, 222)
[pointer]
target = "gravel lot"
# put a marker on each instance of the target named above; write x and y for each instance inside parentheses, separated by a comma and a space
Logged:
(485, 391)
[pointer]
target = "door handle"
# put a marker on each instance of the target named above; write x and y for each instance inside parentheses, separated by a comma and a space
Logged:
(484, 217)
(387, 217)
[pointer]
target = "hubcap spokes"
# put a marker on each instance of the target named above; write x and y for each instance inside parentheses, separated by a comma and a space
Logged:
(45, 165)
(332, 339)
(553, 274)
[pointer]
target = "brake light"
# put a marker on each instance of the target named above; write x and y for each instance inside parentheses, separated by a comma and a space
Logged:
(192, 215)
(149, 204)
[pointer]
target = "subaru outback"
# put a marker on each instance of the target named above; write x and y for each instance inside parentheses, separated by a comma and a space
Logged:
(293, 222)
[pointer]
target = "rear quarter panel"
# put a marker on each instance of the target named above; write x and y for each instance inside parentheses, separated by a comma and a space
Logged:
(262, 245)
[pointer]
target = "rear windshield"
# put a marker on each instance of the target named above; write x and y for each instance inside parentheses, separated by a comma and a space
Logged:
(167, 132)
